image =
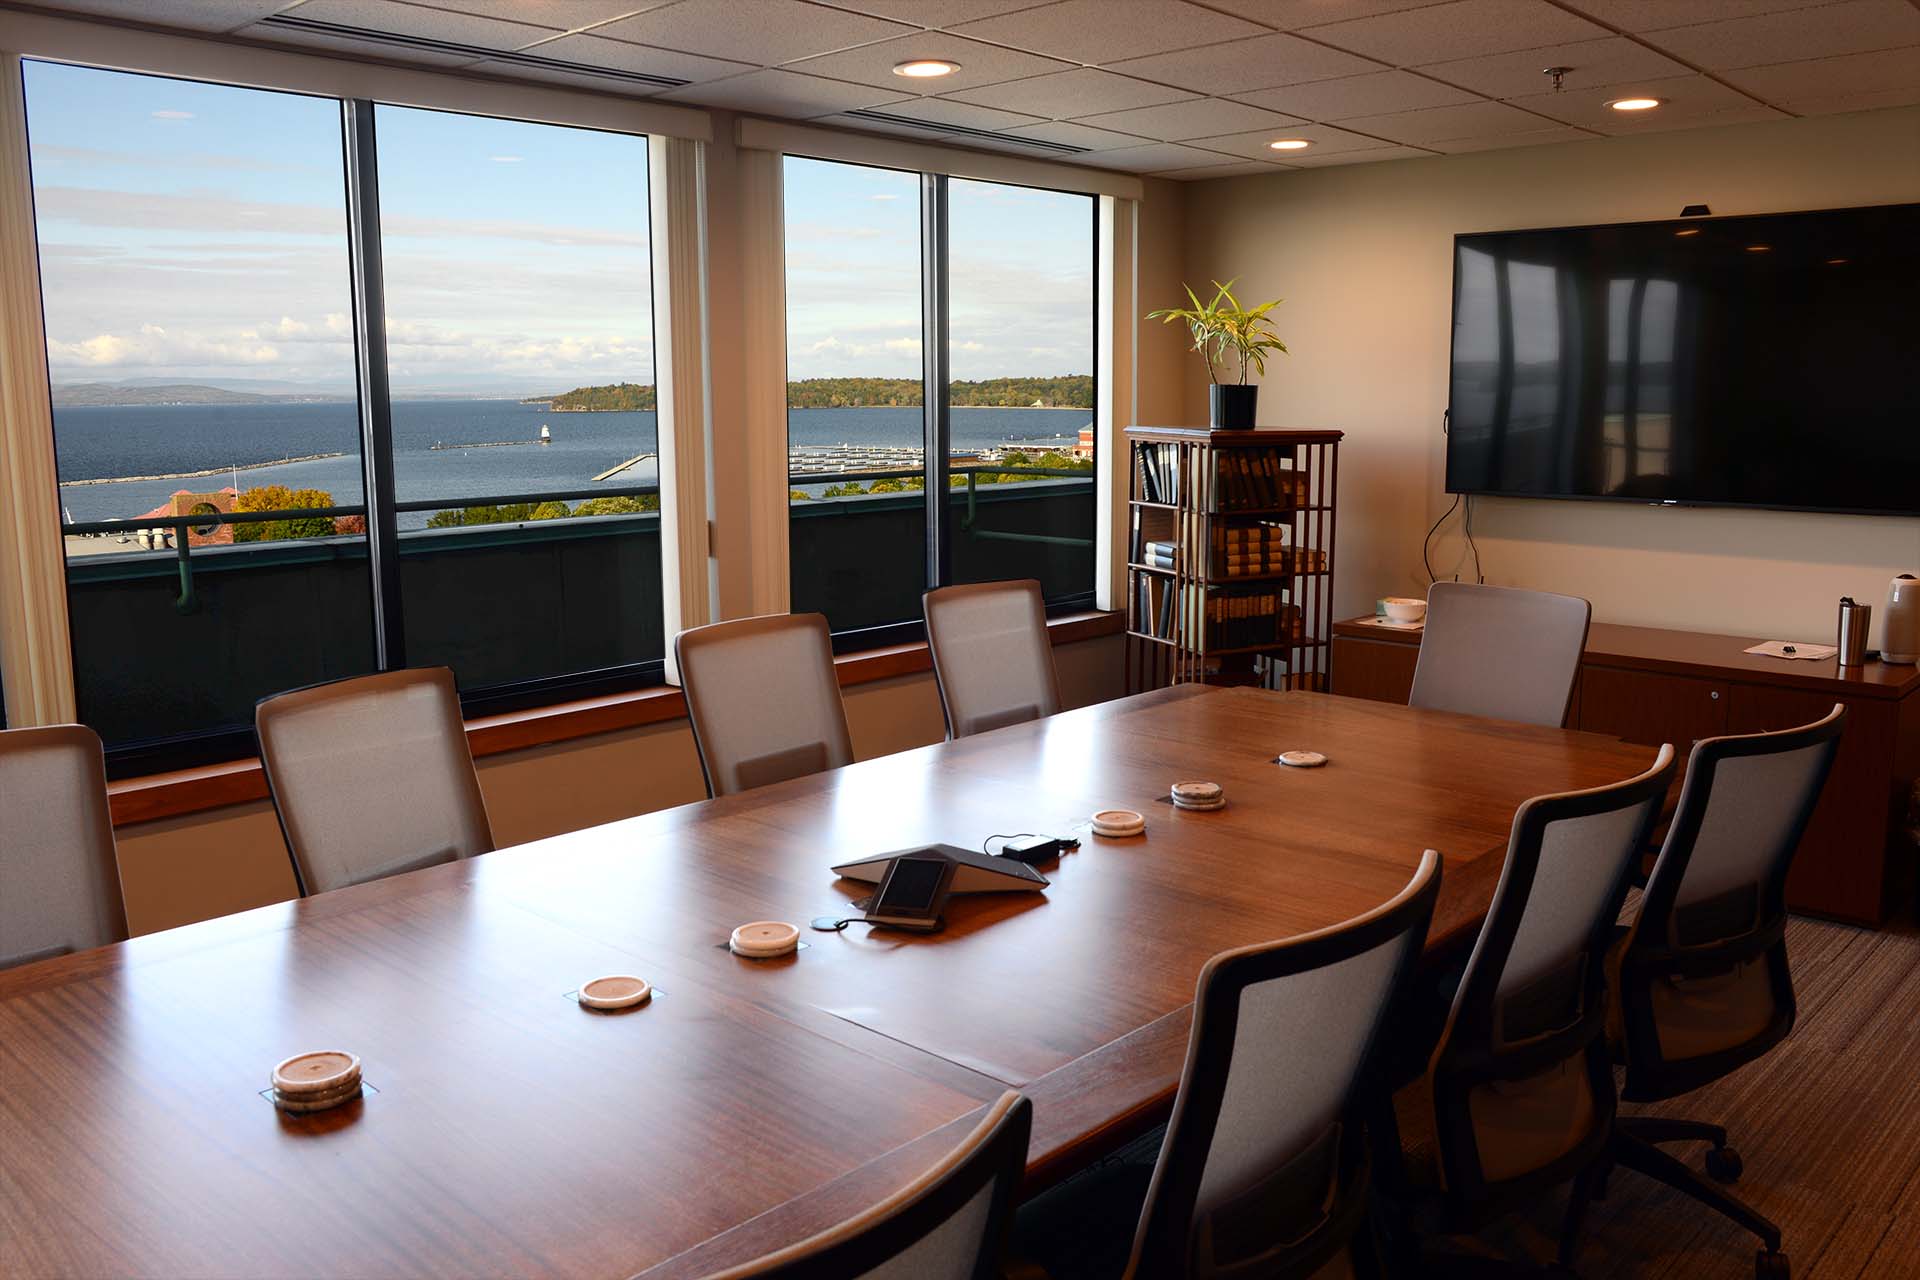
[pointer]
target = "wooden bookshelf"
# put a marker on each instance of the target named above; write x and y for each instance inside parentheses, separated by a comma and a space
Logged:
(1230, 556)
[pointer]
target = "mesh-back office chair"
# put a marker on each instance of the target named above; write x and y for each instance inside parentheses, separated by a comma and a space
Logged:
(947, 1224)
(1704, 986)
(1500, 652)
(59, 874)
(991, 657)
(372, 777)
(1521, 1083)
(763, 700)
(1264, 1168)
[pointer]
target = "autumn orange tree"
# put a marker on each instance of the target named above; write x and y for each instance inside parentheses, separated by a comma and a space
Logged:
(278, 497)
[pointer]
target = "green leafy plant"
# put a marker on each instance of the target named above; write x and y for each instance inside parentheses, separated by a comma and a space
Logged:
(1222, 329)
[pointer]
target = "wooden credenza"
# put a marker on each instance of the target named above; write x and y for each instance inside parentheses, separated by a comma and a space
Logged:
(1649, 686)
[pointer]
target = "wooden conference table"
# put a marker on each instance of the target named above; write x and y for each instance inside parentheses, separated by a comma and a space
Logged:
(752, 1102)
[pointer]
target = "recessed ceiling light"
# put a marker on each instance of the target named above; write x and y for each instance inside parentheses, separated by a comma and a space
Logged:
(1290, 144)
(926, 68)
(1688, 231)
(1836, 262)
(1759, 248)
(1634, 104)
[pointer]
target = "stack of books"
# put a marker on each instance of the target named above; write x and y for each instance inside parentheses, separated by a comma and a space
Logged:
(1241, 619)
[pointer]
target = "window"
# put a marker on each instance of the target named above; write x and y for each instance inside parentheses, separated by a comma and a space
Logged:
(897, 281)
(340, 387)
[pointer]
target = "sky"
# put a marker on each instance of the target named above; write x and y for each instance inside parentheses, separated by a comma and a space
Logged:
(194, 232)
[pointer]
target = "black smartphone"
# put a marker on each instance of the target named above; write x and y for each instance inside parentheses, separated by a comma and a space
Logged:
(912, 894)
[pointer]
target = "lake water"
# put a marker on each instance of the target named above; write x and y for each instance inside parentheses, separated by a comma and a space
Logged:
(97, 442)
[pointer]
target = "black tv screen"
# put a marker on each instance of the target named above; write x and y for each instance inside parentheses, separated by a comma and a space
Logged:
(1769, 361)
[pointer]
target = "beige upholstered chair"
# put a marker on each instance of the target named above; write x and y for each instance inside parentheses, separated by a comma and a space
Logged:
(59, 874)
(372, 777)
(763, 699)
(1703, 986)
(1520, 1084)
(1500, 652)
(1264, 1168)
(991, 655)
(947, 1224)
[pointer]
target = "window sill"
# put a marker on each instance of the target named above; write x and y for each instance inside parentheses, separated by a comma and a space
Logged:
(184, 791)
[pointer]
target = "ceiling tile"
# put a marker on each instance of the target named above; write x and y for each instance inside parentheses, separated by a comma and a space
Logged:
(1232, 169)
(569, 15)
(1460, 29)
(1369, 95)
(979, 63)
(1260, 63)
(780, 93)
(1686, 102)
(1372, 155)
(1072, 93)
(413, 20)
(1078, 135)
(1857, 82)
(1201, 118)
(1156, 157)
(933, 13)
(356, 48)
(1289, 15)
(964, 114)
(1324, 137)
(1470, 120)
(764, 31)
(1099, 31)
(203, 15)
(1501, 141)
(1590, 63)
(1858, 26)
(596, 51)
(1653, 15)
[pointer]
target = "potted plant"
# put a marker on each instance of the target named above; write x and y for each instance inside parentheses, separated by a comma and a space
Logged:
(1223, 330)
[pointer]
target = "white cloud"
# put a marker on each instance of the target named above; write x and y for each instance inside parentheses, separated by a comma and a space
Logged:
(903, 344)
(507, 159)
(153, 345)
(173, 115)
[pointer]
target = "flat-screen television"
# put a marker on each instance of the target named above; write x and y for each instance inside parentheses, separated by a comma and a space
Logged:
(1769, 361)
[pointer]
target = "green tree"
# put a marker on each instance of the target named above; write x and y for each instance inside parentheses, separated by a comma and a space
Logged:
(618, 506)
(277, 497)
(551, 511)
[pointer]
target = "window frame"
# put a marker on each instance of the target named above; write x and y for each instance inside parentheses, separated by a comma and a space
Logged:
(936, 381)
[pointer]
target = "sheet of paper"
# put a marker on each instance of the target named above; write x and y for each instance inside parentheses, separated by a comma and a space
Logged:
(1390, 624)
(1787, 649)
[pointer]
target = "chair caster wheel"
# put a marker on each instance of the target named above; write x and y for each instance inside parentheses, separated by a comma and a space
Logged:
(1724, 1165)
(1771, 1266)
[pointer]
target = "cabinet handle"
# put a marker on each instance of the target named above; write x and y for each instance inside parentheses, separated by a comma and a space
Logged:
(1715, 695)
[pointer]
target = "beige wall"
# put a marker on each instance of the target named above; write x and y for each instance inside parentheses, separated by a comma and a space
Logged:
(1363, 256)
(180, 870)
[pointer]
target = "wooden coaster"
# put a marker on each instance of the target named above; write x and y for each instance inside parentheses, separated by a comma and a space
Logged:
(1195, 806)
(764, 938)
(303, 1103)
(1194, 795)
(1300, 759)
(1117, 824)
(618, 991)
(320, 1072)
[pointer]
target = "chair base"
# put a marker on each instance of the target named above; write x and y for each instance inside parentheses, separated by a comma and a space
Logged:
(1633, 1146)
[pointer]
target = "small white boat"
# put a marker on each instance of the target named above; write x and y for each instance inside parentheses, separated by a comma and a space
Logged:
(546, 436)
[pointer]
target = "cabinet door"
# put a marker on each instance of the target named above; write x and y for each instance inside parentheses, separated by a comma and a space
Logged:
(1841, 869)
(1648, 708)
(1378, 669)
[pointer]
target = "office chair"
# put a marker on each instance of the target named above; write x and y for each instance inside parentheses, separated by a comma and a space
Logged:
(371, 777)
(1264, 1169)
(1703, 986)
(763, 700)
(1520, 1083)
(59, 873)
(991, 656)
(1500, 652)
(947, 1224)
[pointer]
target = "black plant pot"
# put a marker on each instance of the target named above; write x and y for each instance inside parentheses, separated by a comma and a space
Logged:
(1230, 406)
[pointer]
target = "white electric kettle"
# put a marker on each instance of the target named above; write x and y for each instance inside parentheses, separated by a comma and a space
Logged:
(1901, 641)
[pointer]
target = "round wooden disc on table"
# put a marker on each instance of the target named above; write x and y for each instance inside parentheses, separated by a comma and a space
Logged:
(764, 938)
(1118, 823)
(1301, 759)
(322, 1072)
(618, 991)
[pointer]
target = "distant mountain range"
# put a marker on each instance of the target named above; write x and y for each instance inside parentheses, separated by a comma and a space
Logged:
(104, 393)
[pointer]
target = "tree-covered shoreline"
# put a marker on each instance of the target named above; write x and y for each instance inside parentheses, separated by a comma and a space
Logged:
(1071, 391)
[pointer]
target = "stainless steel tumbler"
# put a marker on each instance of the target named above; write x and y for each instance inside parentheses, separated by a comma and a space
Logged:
(1855, 621)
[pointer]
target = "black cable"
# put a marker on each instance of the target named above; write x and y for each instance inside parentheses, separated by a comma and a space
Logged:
(1478, 575)
(1427, 545)
(997, 836)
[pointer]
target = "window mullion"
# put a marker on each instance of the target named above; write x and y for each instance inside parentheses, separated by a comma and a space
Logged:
(937, 381)
(375, 398)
